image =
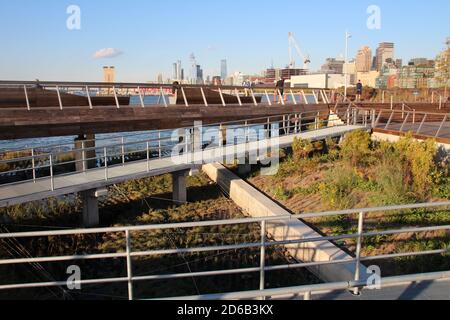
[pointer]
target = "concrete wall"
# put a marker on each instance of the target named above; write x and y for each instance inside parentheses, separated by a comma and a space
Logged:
(256, 204)
(378, 136)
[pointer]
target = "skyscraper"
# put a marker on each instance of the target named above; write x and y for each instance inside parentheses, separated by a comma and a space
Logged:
(179, 77)
(364, 59)
(194, 75)
(223, 69)
(174, 72)
(109, 74)
(385, 52)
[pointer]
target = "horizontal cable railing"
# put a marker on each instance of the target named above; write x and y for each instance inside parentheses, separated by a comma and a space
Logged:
(161, 147)
(266, 225)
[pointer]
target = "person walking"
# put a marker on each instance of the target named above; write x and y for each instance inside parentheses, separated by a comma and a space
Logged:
(359, 91)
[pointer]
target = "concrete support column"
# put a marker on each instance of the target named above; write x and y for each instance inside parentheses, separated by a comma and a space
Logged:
(223, 134)
(86, 141)
(179, 186)
(91, 217)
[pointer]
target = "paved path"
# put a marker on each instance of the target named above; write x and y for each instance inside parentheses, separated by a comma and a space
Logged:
(96, 178)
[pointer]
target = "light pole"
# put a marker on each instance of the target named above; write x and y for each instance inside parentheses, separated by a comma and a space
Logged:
(347, 36)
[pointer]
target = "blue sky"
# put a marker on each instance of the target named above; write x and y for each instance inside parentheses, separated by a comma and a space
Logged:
(249, 34)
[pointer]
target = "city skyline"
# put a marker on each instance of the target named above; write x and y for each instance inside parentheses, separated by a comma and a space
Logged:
(42, 52)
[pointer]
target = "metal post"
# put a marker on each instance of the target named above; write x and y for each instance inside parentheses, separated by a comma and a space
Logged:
(315, 97)
(163, 97)
(59, 98)
(26, 97)
(422, 123)
(307, 296)
(390, 120)
(268, 98)
(123, 151)
(52, 182)
(83, 156)
(254, 98)
(129, 266)
(281, 97)
(237, 96)
(204, 97)
(262, 256)
(159, 145)
(148, 156)
(89, 98)
(358, 249)
(33, 165)
(392, 102)
(440, 102)
(184, 97)
(404, 122)
(382, 97)
(116, 98)
(442, 125)
(293, 97)
(141, 99)
(221, 98)
(304, 97)
(105, 155)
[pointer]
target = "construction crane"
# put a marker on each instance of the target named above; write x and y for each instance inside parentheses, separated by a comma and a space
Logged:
(293, 44)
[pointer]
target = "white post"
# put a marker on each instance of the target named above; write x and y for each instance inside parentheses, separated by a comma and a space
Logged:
(254, 98)
(221, 98)
(89, 97)
(116, 98)
(304, 97)
(237, 96)
(59, 98)
(148, 156)
(52, 182)
(262, 263)
(268, 98)
(141, 99)
(123, 151)
(26, 97)
(293, 97)
(33, 165)
(129, 266)
(163, 97)
(347, 36)
(105, 155)
(358, 249)
(184, 97)
(204, 97)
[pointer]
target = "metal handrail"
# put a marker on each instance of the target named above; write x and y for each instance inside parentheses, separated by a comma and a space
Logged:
(262, 269)
(287, 128)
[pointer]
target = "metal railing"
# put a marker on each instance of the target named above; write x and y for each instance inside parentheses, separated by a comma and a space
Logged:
(410, 120)
(89, 90)
(266, 224)
(42, 166)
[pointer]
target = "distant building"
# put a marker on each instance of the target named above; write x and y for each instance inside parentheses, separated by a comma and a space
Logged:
(199, 75)
(333, 65)
(416, 76)
(421, 62)
(160, 78)
(109, 74)
(349, 69)
(318, 81)
(368, 79)
(388, 76)
(216, 81)
(174, 72)
(385, 53)
(364, 59)
(399, 63)
(223, 69)
(272, 75)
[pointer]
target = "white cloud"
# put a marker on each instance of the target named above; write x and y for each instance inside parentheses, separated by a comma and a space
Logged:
(107, 53)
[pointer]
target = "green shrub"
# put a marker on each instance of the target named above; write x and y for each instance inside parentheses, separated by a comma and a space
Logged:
(337, 190)
(302, 148)
(356, 147)
(418, 158)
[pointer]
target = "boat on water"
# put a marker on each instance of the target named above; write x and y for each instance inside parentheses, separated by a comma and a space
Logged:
(39, 97)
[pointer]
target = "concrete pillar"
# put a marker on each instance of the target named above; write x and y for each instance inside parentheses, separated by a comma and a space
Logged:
(79, 142)
(179, 186)
(91, 217)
